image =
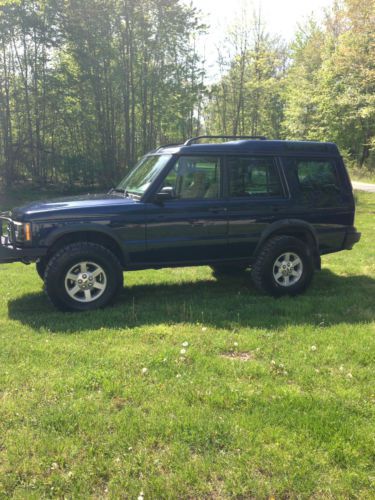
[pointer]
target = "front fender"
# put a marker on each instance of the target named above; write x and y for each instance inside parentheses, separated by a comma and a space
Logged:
(56, 233)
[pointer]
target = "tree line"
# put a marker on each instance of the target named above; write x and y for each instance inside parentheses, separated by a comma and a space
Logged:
(86, 87)
(320, 87)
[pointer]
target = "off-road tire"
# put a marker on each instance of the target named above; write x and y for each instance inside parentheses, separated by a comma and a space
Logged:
(262, 270)
(40, 267)
(65, 258)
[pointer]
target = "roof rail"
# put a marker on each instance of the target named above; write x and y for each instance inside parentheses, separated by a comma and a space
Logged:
(168, 146)
(189, 142)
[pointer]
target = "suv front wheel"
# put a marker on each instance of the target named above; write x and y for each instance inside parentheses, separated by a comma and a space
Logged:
(82, 277)
(41, 268)
(284, 266)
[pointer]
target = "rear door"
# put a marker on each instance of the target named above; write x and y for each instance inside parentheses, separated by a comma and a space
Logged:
(191, 227)
(257, 196)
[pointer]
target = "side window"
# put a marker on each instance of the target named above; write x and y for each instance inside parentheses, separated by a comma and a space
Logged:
(316, 180)
(253, 177)
(195, 177)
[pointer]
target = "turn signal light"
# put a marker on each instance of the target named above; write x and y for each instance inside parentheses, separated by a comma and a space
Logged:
(27, 228)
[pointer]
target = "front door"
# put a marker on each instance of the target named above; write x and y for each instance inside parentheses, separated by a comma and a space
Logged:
(192, 225)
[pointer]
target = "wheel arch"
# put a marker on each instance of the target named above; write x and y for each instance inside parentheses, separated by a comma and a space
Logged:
(292, 227)
(99, 235)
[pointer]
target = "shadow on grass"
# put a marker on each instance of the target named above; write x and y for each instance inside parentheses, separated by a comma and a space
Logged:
(226, 303)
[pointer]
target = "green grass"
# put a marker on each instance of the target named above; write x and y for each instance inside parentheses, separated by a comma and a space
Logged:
(80, 419)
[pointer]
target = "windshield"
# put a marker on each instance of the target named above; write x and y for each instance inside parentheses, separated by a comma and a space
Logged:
(143, 174)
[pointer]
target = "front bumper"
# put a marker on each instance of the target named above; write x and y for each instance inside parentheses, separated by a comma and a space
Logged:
(352, 237)
(9, 252)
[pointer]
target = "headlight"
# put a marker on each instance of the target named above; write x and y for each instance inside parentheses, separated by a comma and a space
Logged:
(22, 231)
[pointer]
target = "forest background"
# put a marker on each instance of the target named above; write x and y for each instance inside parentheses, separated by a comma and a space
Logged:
(87, 87)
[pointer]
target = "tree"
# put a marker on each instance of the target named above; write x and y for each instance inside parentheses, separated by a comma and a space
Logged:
(87, 87)
(248, 97)
(330, 87)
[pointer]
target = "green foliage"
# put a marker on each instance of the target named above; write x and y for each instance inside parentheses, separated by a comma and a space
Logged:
(89, 86)
(301, 116)
(248, 97)
(322, 89)
(330, 85)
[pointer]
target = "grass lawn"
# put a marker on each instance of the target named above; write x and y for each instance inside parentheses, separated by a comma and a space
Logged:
(272, 398)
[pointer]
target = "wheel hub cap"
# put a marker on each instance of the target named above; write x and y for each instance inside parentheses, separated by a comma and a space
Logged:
(287, 269)
(85, 281)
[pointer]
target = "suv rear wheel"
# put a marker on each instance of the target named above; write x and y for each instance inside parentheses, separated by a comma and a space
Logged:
(82, 277)
(284, 266)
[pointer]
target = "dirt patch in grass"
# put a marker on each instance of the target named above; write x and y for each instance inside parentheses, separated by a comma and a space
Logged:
(239, 356)
(119, 403)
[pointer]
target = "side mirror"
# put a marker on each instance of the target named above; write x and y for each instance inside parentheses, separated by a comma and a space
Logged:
(167, 193)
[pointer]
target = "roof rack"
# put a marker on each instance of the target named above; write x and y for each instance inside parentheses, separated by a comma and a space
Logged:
(189, 142)
(168, 146)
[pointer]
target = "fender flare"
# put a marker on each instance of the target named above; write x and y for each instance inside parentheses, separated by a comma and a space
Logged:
(289, 225)
(89, 227)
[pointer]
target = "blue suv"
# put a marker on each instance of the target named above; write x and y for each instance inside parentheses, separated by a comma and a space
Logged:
(272, 206)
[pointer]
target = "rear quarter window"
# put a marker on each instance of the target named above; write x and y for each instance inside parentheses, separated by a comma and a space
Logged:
(315, 180)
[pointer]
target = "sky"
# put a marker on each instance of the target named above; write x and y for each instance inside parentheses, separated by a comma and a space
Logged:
(281, 17)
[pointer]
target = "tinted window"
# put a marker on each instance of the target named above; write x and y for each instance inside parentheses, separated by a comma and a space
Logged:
(253, 177)
(195, 178)
(316, 179)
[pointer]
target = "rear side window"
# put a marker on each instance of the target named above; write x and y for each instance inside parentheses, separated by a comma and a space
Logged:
(317, 180)
(253, 177)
